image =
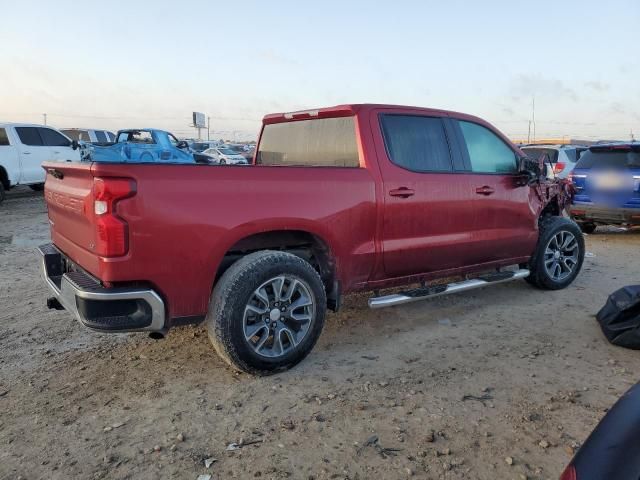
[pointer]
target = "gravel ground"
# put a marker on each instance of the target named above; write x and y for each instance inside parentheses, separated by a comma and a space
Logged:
(504, 382)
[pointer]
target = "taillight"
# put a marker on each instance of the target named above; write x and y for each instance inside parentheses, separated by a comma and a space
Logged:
(111, 231)
(569, 473)
(559, 167)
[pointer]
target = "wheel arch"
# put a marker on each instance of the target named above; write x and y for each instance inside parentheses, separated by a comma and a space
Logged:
(303, 242)
(4, 178)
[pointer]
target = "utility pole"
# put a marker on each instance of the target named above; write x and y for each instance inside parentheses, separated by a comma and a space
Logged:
(208, 128)
(45, 118)
(533, 117)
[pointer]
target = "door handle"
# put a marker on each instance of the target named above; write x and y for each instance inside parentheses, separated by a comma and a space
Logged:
(26, 153)
(484, 190)
(402, 192)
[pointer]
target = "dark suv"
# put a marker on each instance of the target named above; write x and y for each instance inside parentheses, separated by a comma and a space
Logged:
(607, 180)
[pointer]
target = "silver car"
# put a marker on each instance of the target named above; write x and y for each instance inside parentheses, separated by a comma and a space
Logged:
(563, 157)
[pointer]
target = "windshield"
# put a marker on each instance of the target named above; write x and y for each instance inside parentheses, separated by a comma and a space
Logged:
(609, 158)
(227, 151)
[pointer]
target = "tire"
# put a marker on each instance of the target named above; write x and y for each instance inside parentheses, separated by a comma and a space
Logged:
(588, 227)
(542, 276)
(37, 187)
(3, 194)
(249, 283)
(222, 161)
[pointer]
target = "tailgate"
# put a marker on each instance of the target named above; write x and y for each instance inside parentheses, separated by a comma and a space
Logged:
(68, 193)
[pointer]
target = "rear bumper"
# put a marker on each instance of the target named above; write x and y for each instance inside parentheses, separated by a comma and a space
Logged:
(96, 307)
(595, 214)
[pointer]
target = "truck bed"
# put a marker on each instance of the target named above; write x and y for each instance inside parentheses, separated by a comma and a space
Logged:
(183, 218)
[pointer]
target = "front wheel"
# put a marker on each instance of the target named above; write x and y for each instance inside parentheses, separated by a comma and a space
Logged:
(222, 161)
(559, 254)
(266, 312)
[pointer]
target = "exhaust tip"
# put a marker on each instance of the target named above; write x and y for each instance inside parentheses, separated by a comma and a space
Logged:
(157, 335)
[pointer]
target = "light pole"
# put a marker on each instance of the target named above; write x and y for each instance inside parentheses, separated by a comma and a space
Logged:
(45, 118)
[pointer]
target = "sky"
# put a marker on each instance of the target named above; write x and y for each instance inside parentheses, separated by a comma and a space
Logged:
(121, 64)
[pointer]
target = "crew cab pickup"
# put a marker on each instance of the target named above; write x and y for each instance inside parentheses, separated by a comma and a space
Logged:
(23, 148)
(339, 199)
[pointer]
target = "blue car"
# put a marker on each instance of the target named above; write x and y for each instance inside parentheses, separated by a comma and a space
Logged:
(143, 145)
(607, 182)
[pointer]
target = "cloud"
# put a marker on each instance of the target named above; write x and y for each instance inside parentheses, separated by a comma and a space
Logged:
(598, 86)
(527, 85)
(271, 56)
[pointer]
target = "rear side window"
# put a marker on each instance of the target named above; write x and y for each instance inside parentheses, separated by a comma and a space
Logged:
(416, 143)
(326, 142)
(487, 152)
(4, 139)
(101, 136)
(609, 159)
(51, 138)
(29, 136)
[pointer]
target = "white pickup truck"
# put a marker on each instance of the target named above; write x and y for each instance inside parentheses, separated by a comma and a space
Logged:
(23, 148)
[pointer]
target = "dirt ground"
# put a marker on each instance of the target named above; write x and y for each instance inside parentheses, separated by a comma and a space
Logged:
(503, 382)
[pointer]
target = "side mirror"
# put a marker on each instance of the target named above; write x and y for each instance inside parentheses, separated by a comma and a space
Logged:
(74, 144)
(532, 169)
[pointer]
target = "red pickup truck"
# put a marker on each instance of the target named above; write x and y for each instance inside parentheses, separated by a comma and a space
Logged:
(340, 199)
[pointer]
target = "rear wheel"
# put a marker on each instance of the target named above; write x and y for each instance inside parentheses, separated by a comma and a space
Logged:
(559, 254)
(223, 161)
(266, 312)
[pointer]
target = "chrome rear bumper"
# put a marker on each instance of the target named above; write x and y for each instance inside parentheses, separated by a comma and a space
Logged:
(96, 307)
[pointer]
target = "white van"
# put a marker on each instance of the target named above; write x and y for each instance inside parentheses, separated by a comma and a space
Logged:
(23, 148)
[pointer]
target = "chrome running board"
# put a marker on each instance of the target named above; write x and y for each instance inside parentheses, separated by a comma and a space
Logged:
(438, 290)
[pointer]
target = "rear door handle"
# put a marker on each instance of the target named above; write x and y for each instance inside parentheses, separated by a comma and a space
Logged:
(484, 190)
(402, 192)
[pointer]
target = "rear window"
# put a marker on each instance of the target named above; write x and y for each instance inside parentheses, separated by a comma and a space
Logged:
(136, 137)
(326, 142)
(536, 153)
(4, 139)
(609, 159)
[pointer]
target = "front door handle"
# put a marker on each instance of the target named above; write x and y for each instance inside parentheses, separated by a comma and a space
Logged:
(402, 192)
(486, 190)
